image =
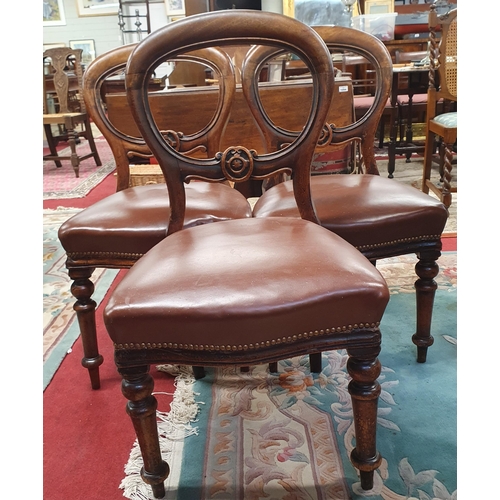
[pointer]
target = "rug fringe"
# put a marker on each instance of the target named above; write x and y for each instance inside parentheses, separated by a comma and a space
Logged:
(173, 426)
(48, 211)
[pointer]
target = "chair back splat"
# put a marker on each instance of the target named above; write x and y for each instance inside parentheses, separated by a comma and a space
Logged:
(234, 164)
(339, 41)
(251, 290)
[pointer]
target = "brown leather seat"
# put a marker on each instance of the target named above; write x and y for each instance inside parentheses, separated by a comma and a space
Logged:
(127, 224)
(244, 291)
(180, 302)
(379, 216)
(372, 213)
(116, 231)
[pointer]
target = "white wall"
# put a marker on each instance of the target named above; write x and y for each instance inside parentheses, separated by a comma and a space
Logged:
(104, 30)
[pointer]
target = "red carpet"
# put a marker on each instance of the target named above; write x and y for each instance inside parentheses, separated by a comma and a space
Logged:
(87, 435)
(449, 244)
(103, 189)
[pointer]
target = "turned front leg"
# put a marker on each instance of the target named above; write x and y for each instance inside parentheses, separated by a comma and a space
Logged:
(82, 289)
(365, 390)
(427, 269)
(137, 387)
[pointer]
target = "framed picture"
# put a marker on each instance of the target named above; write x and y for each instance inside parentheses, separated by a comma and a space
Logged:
(88, 49)
(175, 7)
(379, 6)
(87, 8)
(53, 13)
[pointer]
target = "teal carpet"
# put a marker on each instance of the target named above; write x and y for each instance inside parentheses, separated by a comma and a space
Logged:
(288, 436)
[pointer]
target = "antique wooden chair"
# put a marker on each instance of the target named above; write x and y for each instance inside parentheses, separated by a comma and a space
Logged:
(63, 105)
(116, 231)
(442, 86)
(127, 148)
(379, 216)
(244, 291)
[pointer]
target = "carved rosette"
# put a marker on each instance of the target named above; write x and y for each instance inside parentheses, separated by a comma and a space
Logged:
(237, 163)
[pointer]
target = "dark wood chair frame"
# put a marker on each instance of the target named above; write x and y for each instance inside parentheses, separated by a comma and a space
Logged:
(126, 148)
(237, 164)
(408, 110)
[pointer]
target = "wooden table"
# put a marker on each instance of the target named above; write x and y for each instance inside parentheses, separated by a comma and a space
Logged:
(189, 109)
(416, 83)
(116, 85)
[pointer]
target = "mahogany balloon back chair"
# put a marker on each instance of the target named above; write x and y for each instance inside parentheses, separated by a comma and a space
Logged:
(200, 296)
(63, 106)
(116, 231)
(442, 86)
(127, 147)
(381, 217)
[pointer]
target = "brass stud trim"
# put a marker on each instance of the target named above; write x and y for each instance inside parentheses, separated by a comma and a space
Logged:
(258, 345)
(104, 255)
(401, 240)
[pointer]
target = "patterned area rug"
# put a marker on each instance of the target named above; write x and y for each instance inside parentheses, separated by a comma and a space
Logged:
(60, 328)
(288, 436)
(62, 183)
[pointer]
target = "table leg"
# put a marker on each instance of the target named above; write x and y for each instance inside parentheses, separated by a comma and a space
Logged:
(409, 126)
(393, 127)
